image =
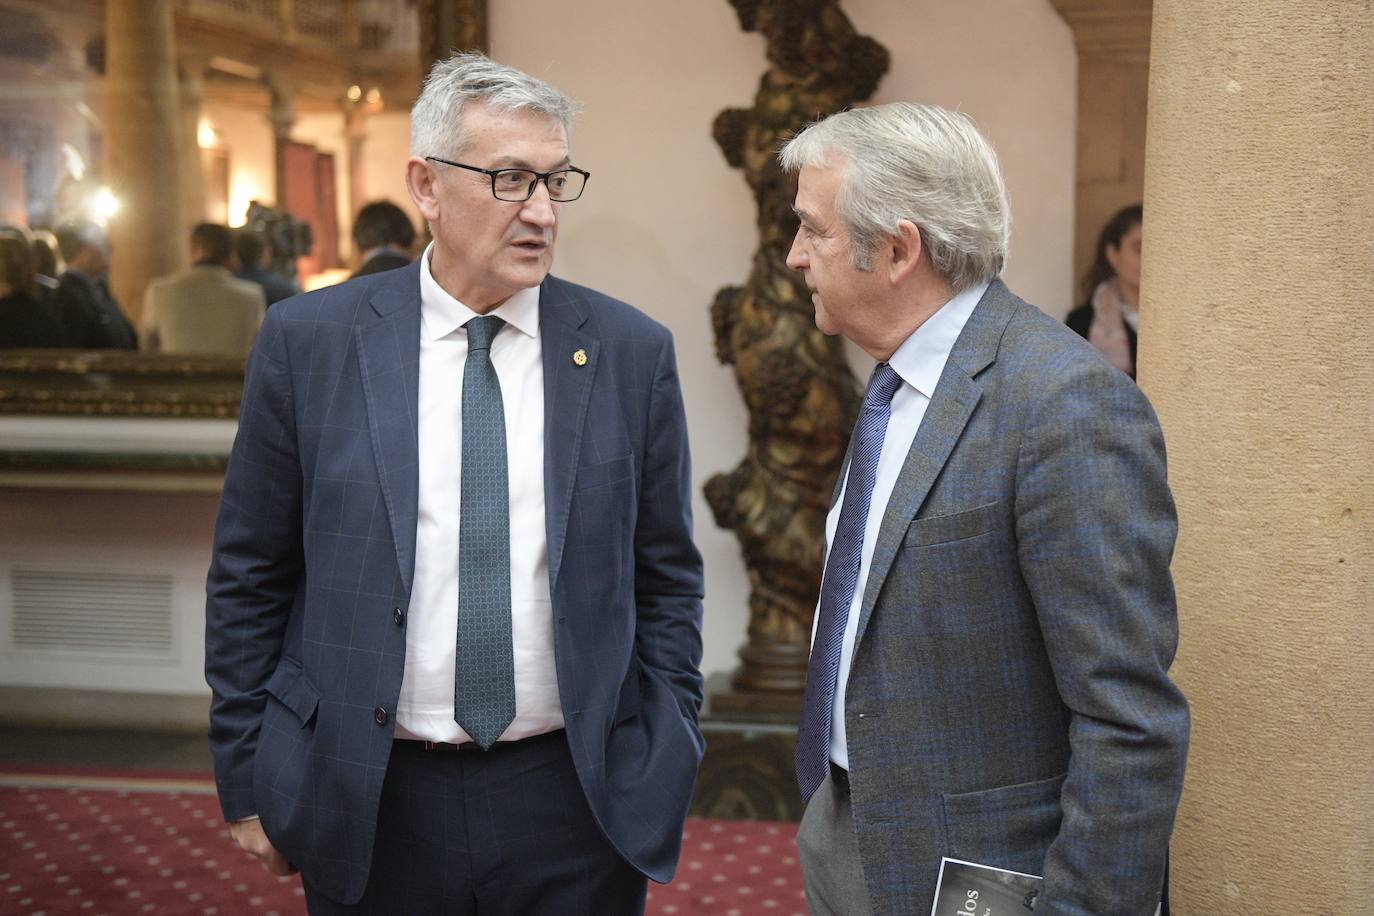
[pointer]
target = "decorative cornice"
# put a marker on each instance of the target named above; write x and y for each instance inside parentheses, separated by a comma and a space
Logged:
(1109, 28)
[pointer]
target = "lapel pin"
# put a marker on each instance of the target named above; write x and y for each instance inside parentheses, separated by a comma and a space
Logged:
(580, 358)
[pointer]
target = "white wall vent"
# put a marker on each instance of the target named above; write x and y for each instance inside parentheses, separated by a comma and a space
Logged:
(92, 611)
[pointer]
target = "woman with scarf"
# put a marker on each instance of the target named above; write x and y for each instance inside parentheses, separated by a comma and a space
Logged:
(1110, 314)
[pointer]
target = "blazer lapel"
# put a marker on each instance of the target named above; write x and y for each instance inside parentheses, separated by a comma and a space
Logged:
(567, 392)
(956, 396)
(388, 342)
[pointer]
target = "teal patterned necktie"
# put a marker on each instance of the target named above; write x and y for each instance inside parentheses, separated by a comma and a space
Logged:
(484, 675)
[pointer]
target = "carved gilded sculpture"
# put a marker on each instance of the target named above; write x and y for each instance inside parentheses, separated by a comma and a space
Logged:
(796, 382)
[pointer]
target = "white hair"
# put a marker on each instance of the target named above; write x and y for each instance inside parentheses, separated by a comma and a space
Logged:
(920, 163)
(436, 120)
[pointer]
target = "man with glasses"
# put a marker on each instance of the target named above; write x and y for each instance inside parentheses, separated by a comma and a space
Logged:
(453, 628)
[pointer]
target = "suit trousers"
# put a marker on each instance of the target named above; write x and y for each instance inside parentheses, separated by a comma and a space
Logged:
(832, 872)
(504, 831)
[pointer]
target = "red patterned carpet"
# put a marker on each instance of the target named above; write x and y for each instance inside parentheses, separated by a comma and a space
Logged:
(138, 842)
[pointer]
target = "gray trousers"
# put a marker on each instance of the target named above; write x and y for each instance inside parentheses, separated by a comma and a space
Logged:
(832, 874)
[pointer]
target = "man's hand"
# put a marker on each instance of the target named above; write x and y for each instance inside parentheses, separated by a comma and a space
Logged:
(251, 839)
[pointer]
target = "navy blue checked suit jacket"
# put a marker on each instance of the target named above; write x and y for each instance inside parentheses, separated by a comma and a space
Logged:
(1009, 701)
(314, 555)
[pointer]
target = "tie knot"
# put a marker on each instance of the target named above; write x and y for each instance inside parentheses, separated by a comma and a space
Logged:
(882, 386)
(481, 330)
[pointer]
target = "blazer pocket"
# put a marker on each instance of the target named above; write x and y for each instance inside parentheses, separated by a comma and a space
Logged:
(292, 688)
(605, 473)
(627, 706)
(1008, 824)
(940, 529)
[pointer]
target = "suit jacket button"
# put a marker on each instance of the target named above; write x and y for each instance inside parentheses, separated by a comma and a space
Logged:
(379, 715)
(398, 616)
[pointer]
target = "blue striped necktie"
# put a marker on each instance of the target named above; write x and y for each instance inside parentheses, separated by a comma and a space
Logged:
(484, 671)
(841, 578)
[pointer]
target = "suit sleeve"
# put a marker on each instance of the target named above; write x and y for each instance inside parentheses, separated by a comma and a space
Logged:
(256, 568)
(668, 567)
(149, 337)
(1096, 528)
(70, 307)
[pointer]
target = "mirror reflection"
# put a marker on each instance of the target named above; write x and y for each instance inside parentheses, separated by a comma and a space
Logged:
(160, 189)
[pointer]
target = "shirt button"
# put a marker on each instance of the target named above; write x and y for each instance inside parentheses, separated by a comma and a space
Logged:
(398, 616)
(379, 715)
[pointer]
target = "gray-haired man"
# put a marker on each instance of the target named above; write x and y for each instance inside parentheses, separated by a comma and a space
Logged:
(454, 613)
(988, 677)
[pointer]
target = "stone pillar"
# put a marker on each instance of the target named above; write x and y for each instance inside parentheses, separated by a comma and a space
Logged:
(355, 128)
(142, 120)
(1254, 347)
(192, 87)
(1113, 42)
(282, 114)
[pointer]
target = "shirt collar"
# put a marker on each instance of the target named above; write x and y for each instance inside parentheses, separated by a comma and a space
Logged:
(921, 358)
(441, 314)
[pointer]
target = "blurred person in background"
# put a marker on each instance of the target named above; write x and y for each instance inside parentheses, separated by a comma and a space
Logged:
(1109, 317)
(383, 237)
(45, 264)
(83, 303)
(255, 254)
(204, 309)
(25, 318)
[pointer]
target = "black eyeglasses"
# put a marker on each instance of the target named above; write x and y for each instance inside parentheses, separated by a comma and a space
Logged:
(518, 184)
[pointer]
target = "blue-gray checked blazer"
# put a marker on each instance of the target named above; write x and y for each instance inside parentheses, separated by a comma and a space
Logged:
(1009, 701)
(314, 554)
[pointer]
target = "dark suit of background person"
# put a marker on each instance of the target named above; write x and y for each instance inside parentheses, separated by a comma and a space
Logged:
(254, 254)
(25, 319)
(1007, 700)
(315, 556)
(90, 316)
(383, 237)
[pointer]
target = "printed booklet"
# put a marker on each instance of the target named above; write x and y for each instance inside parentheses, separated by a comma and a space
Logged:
(969, 889)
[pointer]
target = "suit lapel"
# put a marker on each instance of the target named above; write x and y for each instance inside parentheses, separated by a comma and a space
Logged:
(388, 342)
(956, 395)
(567, 392)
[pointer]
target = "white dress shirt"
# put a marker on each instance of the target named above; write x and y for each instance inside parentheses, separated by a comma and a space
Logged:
(919, 361)
(425, 708)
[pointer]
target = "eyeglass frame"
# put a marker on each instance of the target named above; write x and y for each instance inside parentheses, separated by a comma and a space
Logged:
(538, 177)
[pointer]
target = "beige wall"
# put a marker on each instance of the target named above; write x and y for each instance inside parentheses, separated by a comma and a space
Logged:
(252, 155)
(146, 534)
(653, 75)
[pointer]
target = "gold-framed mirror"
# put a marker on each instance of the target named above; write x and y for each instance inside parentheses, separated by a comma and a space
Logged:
(149, 116)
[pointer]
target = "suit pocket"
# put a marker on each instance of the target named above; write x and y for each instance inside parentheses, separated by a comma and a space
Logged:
(290, 686)
(940, 529)
(605, 473)
(1009, 826)
(627, 707)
